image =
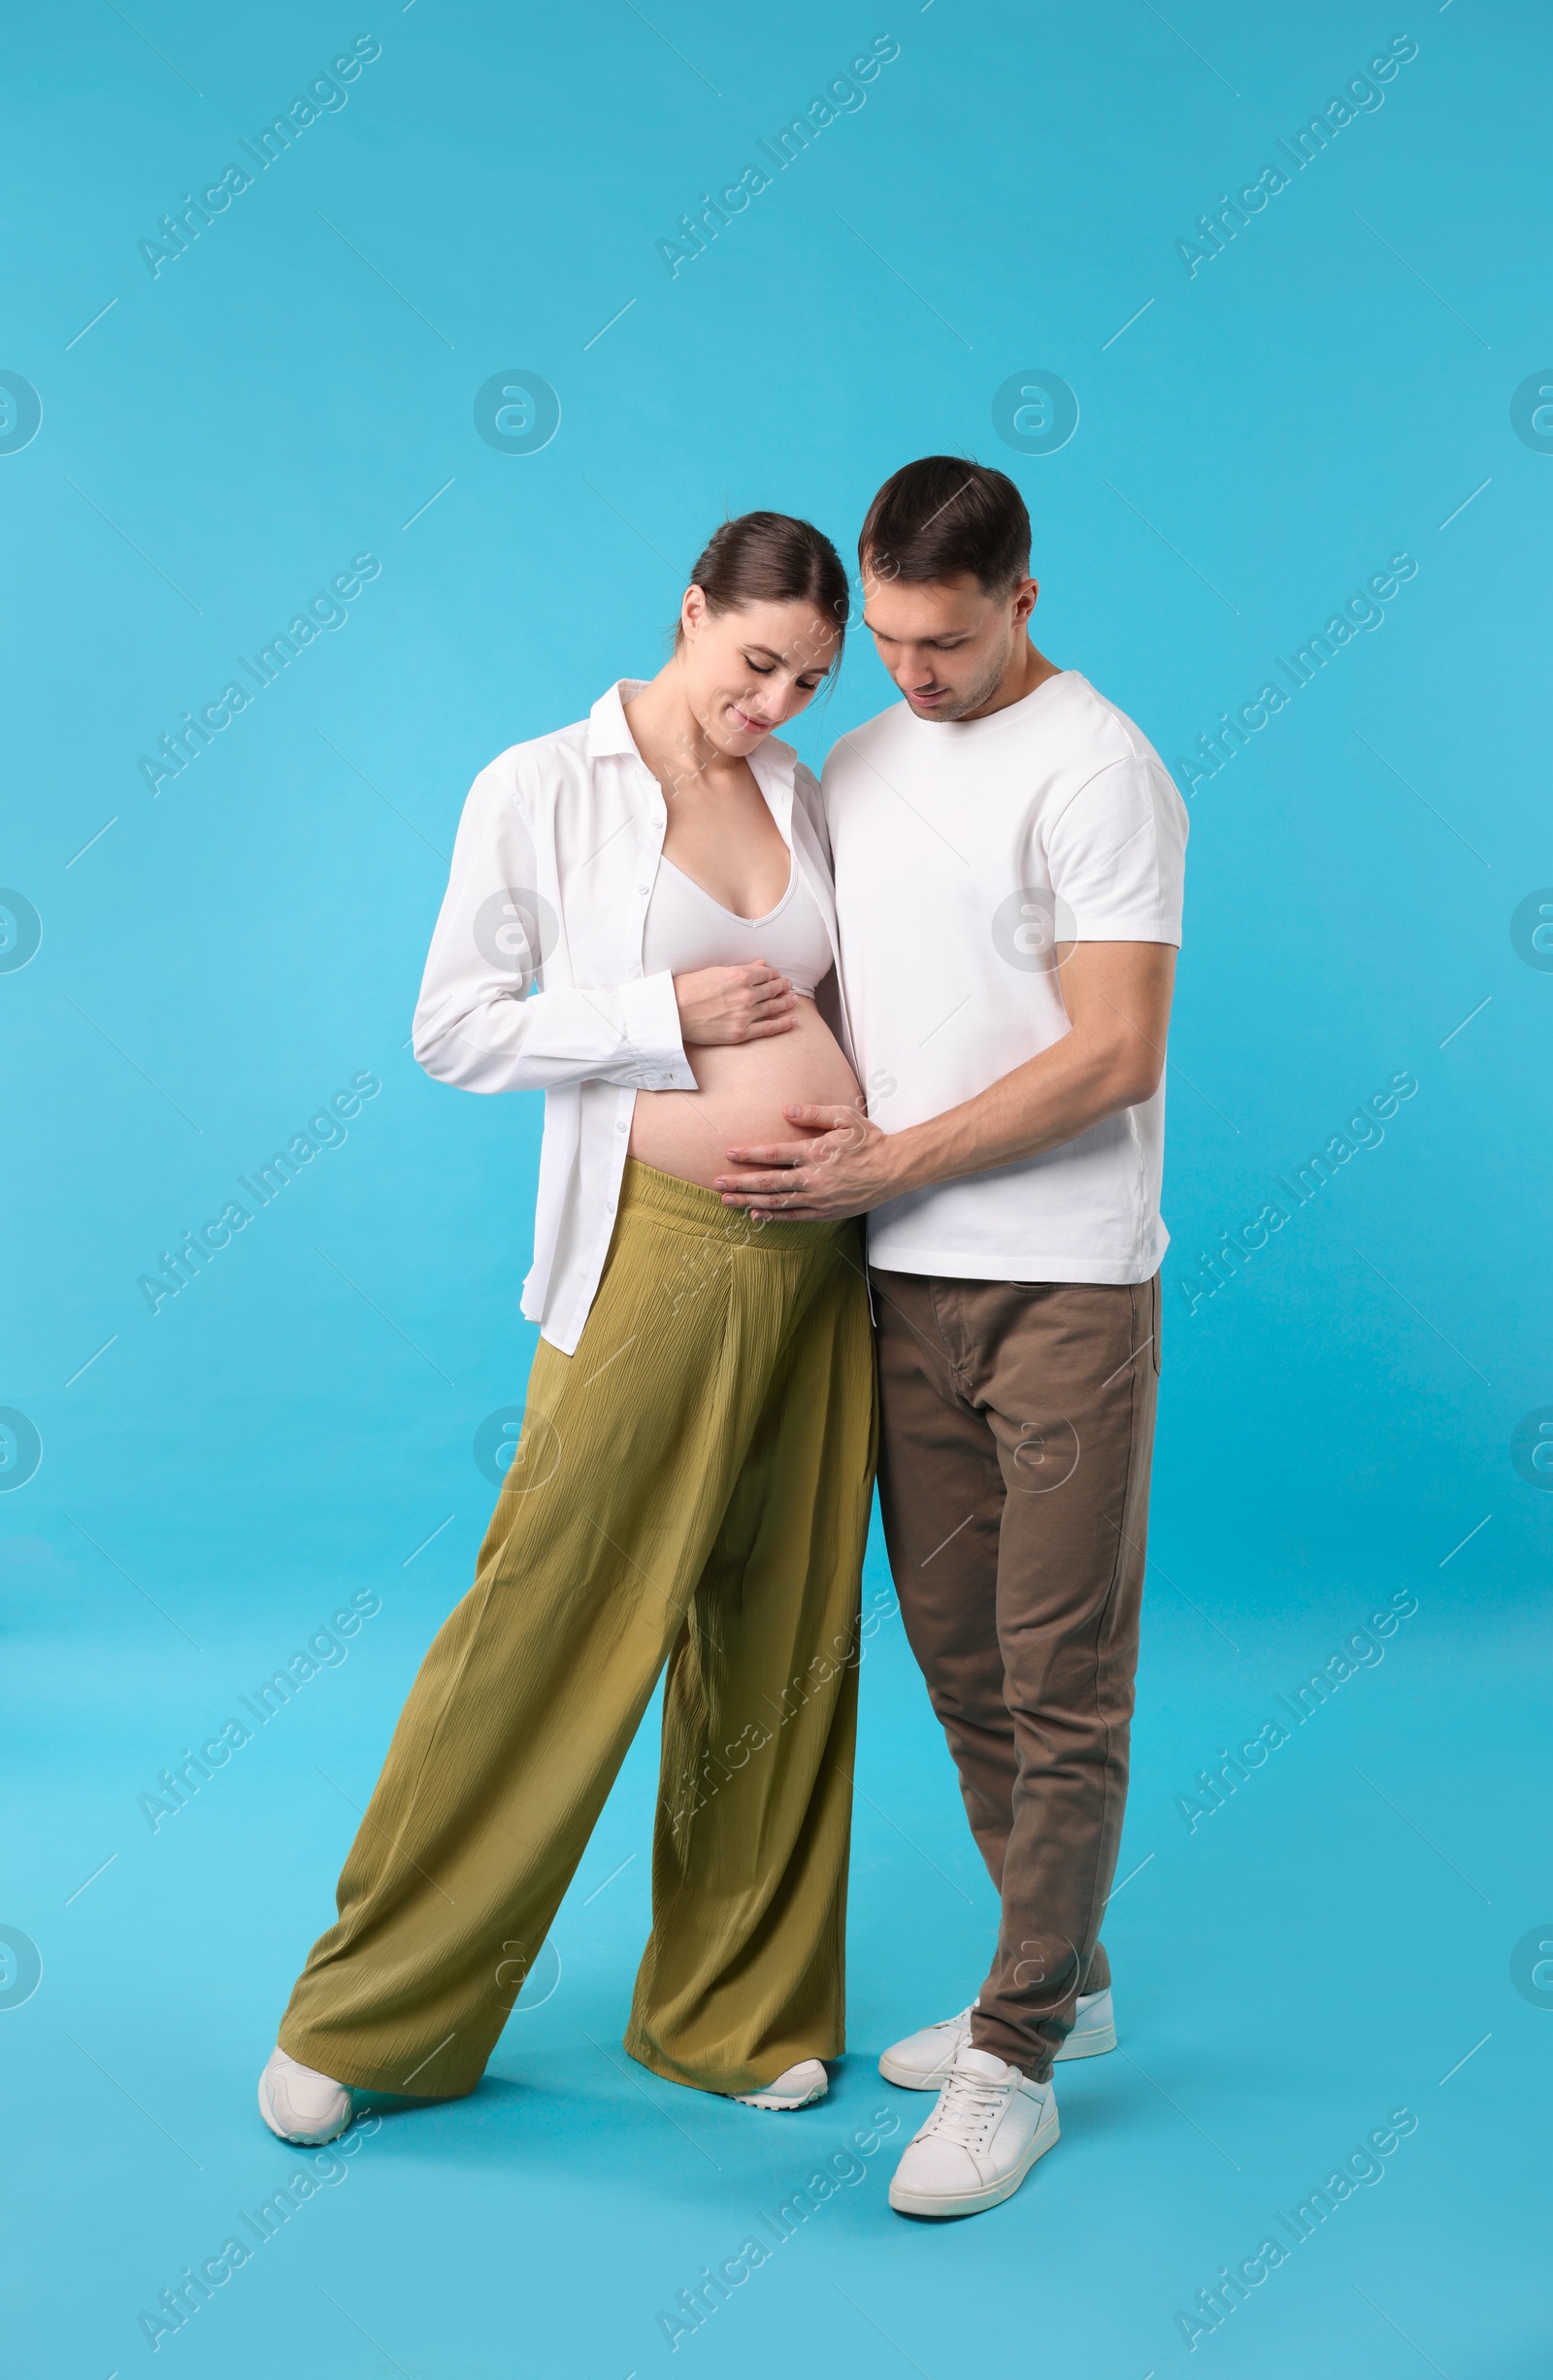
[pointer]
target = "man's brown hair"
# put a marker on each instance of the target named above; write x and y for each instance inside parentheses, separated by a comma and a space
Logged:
(942, 516)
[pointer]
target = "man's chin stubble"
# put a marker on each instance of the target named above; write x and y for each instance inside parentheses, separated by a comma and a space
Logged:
(946, 714)
(967, 706)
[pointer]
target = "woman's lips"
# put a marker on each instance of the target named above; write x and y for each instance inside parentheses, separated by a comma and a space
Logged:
(745, 724)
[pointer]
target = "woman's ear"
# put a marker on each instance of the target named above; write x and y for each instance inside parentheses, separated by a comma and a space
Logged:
(692, 613)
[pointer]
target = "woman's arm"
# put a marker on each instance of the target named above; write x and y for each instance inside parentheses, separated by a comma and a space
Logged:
(485, 1019)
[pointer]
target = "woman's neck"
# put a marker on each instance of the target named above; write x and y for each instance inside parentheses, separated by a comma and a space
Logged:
(670, 738)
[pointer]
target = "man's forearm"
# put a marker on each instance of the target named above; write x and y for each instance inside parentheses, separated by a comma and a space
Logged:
(1051, 1098)
(1118, 1001)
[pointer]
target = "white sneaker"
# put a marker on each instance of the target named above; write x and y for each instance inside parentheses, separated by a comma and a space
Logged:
(1094, 2026)
(301, 2104)
(989, 2126)
(799, 2087)
(922, 2061)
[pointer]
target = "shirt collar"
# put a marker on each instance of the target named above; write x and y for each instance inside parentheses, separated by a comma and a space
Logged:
(772, 765)
(772, 762)
(608, 732)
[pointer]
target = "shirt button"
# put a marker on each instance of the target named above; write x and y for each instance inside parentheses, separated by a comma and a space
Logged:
(642, 890)
(620, 1127)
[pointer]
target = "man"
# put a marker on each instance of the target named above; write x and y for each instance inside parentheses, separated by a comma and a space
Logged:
(1008, 861)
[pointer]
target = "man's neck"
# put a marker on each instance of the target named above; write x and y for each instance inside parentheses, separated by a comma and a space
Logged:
(1028, 668)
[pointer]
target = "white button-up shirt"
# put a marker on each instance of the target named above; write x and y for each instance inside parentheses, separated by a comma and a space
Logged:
(533, 981)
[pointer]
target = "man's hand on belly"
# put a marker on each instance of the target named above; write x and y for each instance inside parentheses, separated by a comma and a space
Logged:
(1117, 996)
(845, 1170)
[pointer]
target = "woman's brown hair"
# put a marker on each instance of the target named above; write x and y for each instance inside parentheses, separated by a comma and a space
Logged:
(770, 557)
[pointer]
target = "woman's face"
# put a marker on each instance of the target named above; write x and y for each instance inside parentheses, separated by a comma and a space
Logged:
(747, 672)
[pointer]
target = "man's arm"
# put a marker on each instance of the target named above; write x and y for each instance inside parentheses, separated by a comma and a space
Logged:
(1118, 1001)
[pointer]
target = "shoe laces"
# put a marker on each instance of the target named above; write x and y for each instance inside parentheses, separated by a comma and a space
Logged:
(968, 2106)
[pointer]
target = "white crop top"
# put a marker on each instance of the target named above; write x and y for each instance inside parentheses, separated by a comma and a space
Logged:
(687, 929)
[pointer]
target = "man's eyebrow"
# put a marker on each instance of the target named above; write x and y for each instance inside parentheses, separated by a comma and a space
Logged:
(942, 635)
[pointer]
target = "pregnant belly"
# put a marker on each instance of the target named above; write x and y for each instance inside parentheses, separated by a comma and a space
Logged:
(742, 1089)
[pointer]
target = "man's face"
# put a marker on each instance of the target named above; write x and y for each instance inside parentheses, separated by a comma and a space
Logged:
(947, 643)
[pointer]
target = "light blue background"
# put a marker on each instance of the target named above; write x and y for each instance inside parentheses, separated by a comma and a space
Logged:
(297, 1425)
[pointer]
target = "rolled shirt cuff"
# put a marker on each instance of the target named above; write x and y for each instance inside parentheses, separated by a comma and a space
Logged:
(651, 1017)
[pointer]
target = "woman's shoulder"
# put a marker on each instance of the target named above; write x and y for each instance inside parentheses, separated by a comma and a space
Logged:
(535, 771)
(805, 783)
(809, 803)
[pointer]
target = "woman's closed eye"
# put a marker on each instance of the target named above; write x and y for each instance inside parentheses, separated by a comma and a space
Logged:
(767, 669)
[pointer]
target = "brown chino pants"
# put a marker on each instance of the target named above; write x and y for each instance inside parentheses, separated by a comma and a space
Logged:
(1017, 1423)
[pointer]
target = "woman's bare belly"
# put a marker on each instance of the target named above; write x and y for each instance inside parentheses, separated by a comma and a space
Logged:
(744, 1088)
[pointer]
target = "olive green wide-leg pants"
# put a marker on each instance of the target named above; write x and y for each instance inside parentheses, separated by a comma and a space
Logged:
(691, 1487)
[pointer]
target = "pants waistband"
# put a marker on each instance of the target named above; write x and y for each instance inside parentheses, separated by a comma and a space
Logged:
(686, 1206)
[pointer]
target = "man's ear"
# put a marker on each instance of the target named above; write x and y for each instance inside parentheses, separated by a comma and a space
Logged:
(1024, 601)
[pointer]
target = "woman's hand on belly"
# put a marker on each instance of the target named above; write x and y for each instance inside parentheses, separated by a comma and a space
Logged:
(721, 1005)
(744, 1090)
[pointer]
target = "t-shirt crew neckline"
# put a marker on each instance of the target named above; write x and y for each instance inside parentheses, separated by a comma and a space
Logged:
(1012, 714)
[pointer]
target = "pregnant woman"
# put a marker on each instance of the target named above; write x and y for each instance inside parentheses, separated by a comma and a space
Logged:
(640, 922)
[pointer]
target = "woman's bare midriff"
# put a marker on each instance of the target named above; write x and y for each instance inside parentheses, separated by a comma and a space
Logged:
(744, 1088)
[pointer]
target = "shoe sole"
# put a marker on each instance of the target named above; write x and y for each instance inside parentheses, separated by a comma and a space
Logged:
(913, 2078)
(1091, 2044)
(977, 2201)
(301, 2140)
(763, 2099)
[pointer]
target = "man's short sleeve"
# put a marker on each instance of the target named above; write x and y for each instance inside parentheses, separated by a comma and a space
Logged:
(1116, 856)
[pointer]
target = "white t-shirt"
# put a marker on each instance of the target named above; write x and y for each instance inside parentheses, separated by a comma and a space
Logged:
(963, 851)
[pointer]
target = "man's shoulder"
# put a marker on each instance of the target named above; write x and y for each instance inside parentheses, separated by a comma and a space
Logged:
(1098, 731)
(864, 743)
(1111, 789)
